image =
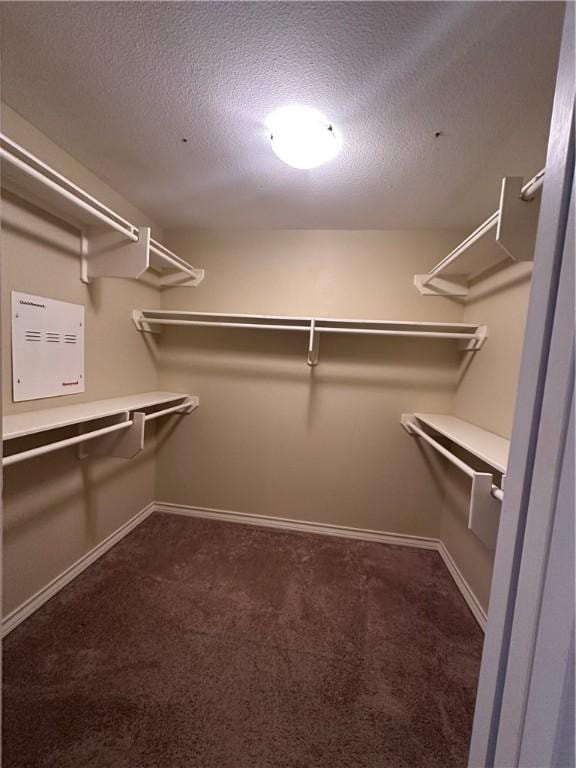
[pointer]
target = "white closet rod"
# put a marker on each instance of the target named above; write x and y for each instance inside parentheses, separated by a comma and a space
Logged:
(528, 192)
(414, 334)
(318, 329)
(89, 204)
(531, 187)
(219, 324)
(171, 258)
(173, 409)
(40, 451)
(496, 492)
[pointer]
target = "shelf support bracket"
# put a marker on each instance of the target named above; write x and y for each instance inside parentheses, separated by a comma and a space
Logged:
(454, 285)
(105, 253)
(313, 345)
(473, 345)
(141, 324)
(182, 279)
(122, 445)
(517, 222)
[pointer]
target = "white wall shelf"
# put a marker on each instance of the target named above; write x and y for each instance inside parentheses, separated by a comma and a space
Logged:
(112, 427)
(492, 449)
(471, 336)
(111, 245)
(508, 234)
(485, 496)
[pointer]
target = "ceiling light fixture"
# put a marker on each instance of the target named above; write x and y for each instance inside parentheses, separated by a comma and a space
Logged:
(302, 137)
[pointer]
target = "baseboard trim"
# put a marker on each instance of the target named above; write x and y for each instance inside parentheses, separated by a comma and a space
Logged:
(20, 614)
(471, 600)
(28, 607)
(288, 524)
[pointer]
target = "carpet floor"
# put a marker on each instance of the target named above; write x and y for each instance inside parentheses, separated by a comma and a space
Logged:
(202, 644)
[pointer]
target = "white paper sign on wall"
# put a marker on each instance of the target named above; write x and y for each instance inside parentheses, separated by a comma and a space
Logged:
(47, 347)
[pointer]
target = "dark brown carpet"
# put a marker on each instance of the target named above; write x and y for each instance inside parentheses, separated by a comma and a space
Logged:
(196, 644)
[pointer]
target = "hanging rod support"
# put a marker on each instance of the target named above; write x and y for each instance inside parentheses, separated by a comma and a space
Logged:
(313, 345)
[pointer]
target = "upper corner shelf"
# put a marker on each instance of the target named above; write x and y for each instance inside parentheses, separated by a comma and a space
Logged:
(515, 221)
(111, 245)
(470, 335)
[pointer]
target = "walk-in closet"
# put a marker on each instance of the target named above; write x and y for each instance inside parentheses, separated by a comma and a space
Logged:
(287, 374)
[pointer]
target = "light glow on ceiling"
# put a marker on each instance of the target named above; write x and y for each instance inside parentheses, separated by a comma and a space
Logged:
(302, 137)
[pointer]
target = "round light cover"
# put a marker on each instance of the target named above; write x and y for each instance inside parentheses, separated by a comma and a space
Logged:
(302, 137)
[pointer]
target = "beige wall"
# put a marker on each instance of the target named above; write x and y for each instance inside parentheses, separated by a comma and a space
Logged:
(274, 437)
(487, 389)
(486, 396)
(365, 274)
(57, 507)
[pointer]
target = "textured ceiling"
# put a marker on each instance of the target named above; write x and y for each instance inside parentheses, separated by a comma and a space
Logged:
(119, 85)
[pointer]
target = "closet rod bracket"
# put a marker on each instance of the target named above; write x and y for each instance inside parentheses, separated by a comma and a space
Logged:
(104, 253)
(406, 421)
(452, 285)
(140, 322)
(120, 445)
(473, 345)
(182, 279)
(313, 345)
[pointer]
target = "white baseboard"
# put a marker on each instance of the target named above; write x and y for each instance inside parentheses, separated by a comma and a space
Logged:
(28, 607)
(18, 615)
(471, 600)
(362, 534)
(288, 524)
